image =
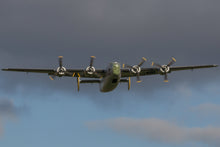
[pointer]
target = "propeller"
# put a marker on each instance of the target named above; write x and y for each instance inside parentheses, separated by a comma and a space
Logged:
(60, 61)
(52, 77)
(92, 60)
(172, 61)
(165, 68)
(91, 69)
(61, 71)
(136, 69)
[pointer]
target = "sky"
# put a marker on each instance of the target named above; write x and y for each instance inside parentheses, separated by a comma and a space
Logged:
(35, 111)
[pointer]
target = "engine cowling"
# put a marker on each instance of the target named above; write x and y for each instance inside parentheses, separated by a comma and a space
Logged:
(61, 70)
(165, 69)
(136, 69)
(90, 70)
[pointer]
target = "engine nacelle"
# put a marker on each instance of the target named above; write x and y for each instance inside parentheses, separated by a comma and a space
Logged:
(90, 70)
(165, 69)
(136, 69)
(61, 70)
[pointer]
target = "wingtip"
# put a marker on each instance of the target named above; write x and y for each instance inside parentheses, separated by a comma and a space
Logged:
(215, 65)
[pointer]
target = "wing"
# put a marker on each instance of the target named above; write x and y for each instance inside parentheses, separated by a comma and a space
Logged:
(191, 67)
(101, 72)
(69, 72)
(82, 73)
(49, 71)
(153, 71)
(144, 72)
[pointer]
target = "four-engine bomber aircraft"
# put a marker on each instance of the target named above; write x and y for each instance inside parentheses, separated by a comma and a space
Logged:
(109, 78)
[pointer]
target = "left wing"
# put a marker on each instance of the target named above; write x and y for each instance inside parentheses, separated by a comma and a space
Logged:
(152, 71)
(137, 71)
(144, 72)
(191, 67)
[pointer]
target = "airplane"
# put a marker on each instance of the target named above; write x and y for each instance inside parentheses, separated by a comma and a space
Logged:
(109, 78)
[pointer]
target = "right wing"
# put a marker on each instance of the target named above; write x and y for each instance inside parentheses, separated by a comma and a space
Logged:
(49, 71)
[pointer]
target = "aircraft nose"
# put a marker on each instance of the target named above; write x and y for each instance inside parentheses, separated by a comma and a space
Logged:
(116, 69)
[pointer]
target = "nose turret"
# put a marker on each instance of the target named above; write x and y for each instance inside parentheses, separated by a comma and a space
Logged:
(116, 68)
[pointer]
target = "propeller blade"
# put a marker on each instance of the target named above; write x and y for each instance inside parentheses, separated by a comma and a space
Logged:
(165, 78)
(128, 66)
(51, 78)
(142, 62)
(172, 62)
(155, 64)
(61, 61)
(91, 61)
(138, 78)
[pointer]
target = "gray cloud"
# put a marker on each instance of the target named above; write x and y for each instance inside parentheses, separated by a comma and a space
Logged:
(159, 130)
(8, 110)
(34, 33)
(207, 109)
(7, 107)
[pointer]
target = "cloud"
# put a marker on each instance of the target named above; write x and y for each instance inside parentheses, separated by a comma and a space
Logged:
(8, 110)
(207, 108)
(34, 33)
(159, 130)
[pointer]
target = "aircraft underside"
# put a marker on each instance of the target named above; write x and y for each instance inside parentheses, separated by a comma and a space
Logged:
(109, 83)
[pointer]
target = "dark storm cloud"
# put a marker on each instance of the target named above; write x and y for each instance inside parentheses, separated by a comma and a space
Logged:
(34, 33)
